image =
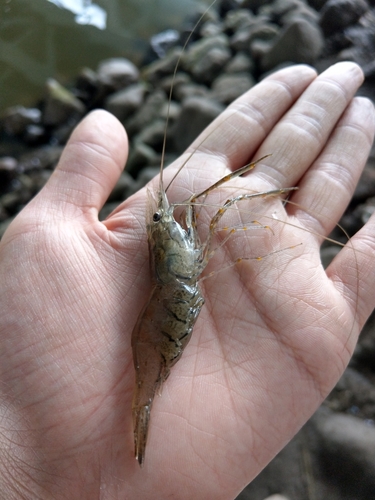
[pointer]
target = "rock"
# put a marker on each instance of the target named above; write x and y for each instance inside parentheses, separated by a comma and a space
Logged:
(153, 135)
(353, 393)
(4, 225)
(171, 111)
(240, 63)
(145, 176)
(149, 112)
(366, 185)
(205, 58)
(126, 101)
(237, 19)
(8, 169)
(44, 157)
(21, 194)
(162, 67)
(117, 73)
(39, 178)
(365, 210)
(60, 104)
(124, 188)
(184, 91)
(299, 42)
(17, 118)
(346, 449)
(7, 165)
(62, 133)
(88, 86)
(162, 42)
(34, 134)
(210, 29)
(196, 114)
(226, 88)
(338, 14)
(254, 5)
(140, 156)
(277, 497)
(301, 12)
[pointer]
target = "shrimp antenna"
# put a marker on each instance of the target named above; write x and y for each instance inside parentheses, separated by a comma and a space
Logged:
(171, 91)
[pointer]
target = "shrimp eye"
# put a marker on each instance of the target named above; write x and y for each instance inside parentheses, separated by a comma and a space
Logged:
(156, 217)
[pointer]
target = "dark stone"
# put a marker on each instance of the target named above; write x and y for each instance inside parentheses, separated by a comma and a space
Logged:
(228, 87)
(117, 73)
(60, 104)
(125, 102)
(240, 63)
(338, 14)
(205, 59)
(34, 134)
(8, 170)
(299, 42)
(140, 156)
(44, 157)
(162, 67)
(124, 188)
(238, 19)
(150, 111)
(17, 118)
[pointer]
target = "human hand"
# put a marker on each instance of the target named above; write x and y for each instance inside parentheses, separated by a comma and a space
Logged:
(271, 341)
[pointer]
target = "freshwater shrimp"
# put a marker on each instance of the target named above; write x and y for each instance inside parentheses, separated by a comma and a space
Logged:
(165, 325)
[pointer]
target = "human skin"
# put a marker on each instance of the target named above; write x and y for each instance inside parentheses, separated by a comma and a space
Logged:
(270, 342)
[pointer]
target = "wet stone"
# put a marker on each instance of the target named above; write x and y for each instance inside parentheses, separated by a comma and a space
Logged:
(227, 88)
(300, 42)
(205, 59)
(60, 104)
(34, 134)
(124, 188)
(117, 73)
(339, 14)
(149, 111)
(125, 102)
(8, 169)
(240, 63)
(17, 118)
(146, 175)
(237, 19)
(162, 67)
(153, 134)
(44, 157)
(140, 156)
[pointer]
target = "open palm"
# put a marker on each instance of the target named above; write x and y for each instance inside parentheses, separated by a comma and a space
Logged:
(272, 339)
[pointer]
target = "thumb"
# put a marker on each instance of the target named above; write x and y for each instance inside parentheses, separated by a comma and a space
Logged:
(89, 167)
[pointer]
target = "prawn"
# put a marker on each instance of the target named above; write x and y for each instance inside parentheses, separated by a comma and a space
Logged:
(165, 325)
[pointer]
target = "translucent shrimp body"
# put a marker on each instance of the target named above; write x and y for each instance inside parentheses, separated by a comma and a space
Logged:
(165, 325)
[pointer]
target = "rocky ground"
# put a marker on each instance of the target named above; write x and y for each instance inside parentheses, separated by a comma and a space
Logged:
(333, 456)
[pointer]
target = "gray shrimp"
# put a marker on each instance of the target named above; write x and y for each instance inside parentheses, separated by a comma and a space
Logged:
(165, 325)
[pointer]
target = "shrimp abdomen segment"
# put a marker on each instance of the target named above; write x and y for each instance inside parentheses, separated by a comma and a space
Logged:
(159, 338)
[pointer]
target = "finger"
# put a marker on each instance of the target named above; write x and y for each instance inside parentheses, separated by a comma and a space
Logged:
(328, 186)
(90, 165)
(302, 133)
(239, 131)
(353, 272)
